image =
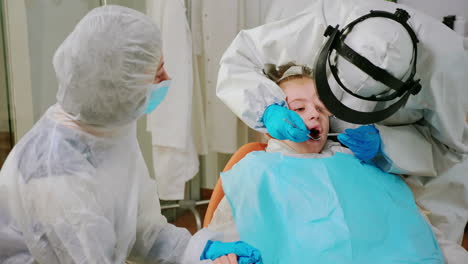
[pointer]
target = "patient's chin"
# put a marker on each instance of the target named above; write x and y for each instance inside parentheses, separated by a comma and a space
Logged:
(310, 146)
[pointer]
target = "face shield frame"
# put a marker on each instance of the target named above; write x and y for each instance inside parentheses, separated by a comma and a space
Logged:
(335, 42)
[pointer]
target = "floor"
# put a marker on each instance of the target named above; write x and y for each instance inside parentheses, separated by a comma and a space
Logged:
(187, 220)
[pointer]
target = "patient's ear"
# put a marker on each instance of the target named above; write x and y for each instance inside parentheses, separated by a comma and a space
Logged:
(268, 136)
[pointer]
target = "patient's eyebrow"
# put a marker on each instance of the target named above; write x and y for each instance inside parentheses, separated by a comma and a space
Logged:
(297, 99)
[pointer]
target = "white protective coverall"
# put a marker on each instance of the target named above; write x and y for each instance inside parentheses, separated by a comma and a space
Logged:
(75, 189)
(427, 137)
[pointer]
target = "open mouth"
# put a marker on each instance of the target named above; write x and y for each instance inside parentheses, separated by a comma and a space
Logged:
(314, 134)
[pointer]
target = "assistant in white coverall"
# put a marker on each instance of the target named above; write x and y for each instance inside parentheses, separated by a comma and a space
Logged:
(76, 189)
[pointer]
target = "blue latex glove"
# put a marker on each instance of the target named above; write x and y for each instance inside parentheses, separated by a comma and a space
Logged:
(363, 141)
(246, 254)
(274, 120)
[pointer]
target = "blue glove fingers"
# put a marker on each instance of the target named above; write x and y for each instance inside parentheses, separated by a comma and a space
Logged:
(216, 249)
(363, 131)
(244, 260)
(365, 155)
(299, 136)
(274, 119)
(207, 253)
(355, 146)
(247, 253)
(363, 150)
(296, 119)
(353, 140)
(365, 135)
(350, 141)
(298, 133)
(241, 249)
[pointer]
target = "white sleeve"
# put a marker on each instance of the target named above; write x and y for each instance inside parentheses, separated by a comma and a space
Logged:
(66, 226)
(453, 252)
(405, 151)
(242, 85)
(176, 245)
(157, 241)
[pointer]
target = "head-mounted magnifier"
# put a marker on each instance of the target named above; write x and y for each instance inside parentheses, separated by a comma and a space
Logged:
(398, 88)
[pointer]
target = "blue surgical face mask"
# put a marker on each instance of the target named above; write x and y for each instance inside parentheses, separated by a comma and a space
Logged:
(157, 95)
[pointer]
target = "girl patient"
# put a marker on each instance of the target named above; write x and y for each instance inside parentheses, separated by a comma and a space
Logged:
(314, 202)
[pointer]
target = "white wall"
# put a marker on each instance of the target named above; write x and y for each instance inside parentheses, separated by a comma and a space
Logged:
(139, 5)
(49, 23)
(440, 8)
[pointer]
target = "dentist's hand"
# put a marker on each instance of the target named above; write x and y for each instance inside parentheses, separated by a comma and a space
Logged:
(274, 120)
(229, 259)
(217, 250)
(363, 141)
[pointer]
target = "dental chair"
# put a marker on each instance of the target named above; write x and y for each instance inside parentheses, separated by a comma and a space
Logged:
(218, 192)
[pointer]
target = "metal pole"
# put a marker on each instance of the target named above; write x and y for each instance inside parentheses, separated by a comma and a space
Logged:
(171, 206)
(188, 12)
(103, 2)
(191, 205)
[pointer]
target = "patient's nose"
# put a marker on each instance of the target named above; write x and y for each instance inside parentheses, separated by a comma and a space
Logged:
(312, 113)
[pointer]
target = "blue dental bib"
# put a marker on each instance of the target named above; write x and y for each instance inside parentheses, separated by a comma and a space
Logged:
(329, 210)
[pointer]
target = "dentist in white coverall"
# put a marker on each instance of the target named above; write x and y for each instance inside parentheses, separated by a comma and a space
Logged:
(75, 189)
(426, 140)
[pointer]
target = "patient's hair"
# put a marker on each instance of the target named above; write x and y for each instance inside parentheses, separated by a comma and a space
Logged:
(287, 72)
(294, 77)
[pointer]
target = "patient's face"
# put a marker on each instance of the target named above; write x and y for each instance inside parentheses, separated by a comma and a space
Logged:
(302, 98)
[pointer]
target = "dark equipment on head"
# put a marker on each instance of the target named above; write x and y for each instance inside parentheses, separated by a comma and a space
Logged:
(399, 89)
